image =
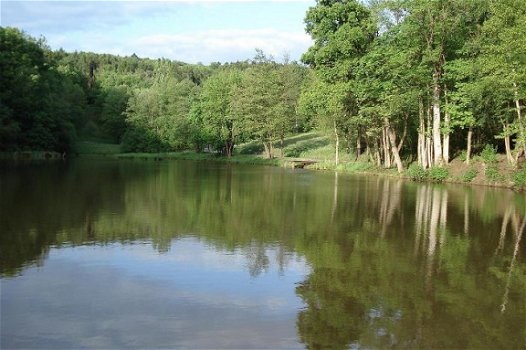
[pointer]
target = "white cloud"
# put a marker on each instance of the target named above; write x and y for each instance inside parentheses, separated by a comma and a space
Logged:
(222, 45)
(207, 32)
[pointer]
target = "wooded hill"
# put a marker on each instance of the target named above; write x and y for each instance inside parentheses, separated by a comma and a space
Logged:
(395, 80)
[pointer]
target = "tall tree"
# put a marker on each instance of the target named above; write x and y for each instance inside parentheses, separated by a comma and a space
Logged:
(219, 119)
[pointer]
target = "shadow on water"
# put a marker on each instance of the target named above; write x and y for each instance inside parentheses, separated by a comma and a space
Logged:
(392, 264)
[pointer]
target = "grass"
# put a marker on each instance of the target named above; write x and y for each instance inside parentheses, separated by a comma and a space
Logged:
(315, 146)
(97, 148)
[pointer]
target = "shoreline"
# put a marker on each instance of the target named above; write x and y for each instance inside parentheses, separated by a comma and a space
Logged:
(356, 167)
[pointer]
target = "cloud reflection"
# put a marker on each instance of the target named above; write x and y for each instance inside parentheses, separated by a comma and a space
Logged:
(131, 297)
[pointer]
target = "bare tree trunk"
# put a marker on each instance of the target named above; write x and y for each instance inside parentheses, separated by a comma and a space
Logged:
(507, 144)
(429, 141)
(437, 142)
(394, 148)
(377, 154)
(422, 154)
(268, 149)
(446, 134)
(229, 147)
(385, 147)
(468, 150)
(520, 138)
(404, 135)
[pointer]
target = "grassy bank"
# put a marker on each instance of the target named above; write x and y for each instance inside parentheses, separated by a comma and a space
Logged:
(488, 168)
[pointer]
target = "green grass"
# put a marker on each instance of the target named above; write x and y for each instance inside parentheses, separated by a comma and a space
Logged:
(307, 148)
(190, 155)
(310, 145)
(98, 148)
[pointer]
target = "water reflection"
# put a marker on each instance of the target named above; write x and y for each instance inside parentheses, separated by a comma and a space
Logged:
(390, 263)
(126, 297)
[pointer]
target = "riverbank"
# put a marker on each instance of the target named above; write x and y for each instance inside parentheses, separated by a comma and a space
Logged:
(315, 152)
(478, 172)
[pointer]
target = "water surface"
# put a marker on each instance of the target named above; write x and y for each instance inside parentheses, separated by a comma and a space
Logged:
(182, 254)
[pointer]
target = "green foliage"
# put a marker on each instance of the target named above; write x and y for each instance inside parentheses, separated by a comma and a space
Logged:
(469, 175)
(416, 173)
(489, 154)
(519, 178)
(437, 174)
(142, 140)
(492, 174)
(463, 156)
(39, 103)
(374, 68)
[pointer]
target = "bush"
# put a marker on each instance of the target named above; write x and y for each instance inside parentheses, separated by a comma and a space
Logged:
(519, 178)
(492, 174)
(469, 175)
(463, 155)
(416, 172)
(489, 154)
(438, 174)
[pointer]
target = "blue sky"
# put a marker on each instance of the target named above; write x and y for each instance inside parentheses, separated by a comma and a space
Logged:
(190, 31)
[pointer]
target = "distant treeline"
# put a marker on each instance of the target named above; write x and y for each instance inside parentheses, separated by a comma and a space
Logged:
(51, 98)
(390, 80)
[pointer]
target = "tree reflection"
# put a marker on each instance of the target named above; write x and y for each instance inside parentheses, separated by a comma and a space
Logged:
(431, 296)
(393, 264)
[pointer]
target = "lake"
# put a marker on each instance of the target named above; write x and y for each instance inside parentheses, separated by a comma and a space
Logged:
(182, 254)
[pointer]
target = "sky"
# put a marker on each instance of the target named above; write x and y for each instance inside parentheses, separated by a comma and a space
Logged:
(187, 31)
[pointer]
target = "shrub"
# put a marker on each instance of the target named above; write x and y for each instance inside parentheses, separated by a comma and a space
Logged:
(463, 155)
(469, 175)
(416, 172)
(519, 178)
(489, 154)
(438, 174)
(492, 174)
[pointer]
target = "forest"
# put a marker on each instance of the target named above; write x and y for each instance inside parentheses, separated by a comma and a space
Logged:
(392, 82)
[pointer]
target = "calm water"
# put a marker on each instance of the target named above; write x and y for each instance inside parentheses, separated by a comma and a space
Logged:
(175, 254)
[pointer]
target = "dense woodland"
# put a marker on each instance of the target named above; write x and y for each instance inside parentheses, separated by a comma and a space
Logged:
(392, 81)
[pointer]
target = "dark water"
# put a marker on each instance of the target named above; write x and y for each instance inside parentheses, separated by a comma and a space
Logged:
(130, 254)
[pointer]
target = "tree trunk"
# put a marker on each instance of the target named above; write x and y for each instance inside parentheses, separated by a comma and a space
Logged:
(468, 148)
(337, 151)
(422, 154)
(268, 149)
(520, 138)
(377, 153)
(394, 148)
(229, 146)
(507, 144)
(404, 134)
(358, 146)
(437, 142)
(429, 141)
(446, 133)
(385, 147)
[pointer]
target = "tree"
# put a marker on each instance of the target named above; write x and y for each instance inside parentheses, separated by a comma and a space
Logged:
(342, 33)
